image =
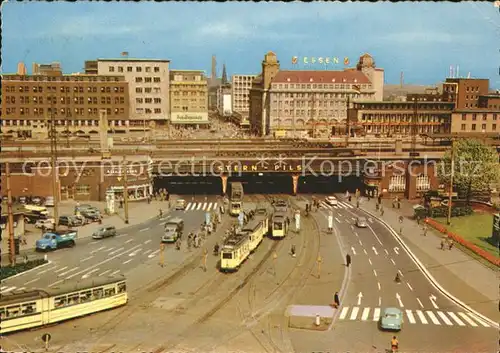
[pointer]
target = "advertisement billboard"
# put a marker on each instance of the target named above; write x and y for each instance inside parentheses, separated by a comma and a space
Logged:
(227, 105)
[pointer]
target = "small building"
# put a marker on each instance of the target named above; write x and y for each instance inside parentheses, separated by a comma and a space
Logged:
(18, 215)
(475, 121)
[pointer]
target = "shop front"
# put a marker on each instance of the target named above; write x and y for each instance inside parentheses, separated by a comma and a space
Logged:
(192, 119)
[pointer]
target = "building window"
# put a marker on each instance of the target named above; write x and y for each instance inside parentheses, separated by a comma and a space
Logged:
(148, 100)
(156, 79)
(120, 68)
(147, 79)
(485, 116)
(147, 90)
(157, 111)
(111, 69)
(138, 90)
(473, 127)
(82, 189)
(463, 127)
(138, 100)
(138, 69)
(157, 69)
(138, 79)
(495, 116)
(483, 127)
(464, 116)
(423, 183)
(494, 127)
(129, 68)
(474, 116)
(148, 68)
(397, 183)
(157, 100)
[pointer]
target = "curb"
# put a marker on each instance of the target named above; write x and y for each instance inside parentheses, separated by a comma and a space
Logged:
(34, 268)
(429, 277)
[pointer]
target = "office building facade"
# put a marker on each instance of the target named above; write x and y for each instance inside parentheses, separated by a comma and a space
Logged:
(188, 98)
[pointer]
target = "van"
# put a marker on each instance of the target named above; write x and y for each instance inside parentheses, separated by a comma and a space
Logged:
(104, 232)
(173, 230)
(180, 204)
(40, 210)
(49, 201)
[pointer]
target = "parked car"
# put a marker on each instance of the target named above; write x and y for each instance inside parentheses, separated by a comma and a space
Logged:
(47, 223)
(49, 201)
(86, 207)
(93, 215)
(31, 217)
(180, 204)
(331, 200)
(37, 200)
(69, 221)
(23, 200)
(361, 222)
(104, 232)
(392, 319)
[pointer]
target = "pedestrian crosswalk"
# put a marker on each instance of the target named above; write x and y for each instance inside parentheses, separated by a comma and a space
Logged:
(201, 206)
(341, 205)
(424, 317)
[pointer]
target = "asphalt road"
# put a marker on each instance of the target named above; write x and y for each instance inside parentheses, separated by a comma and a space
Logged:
(129, 249)
(431, 321)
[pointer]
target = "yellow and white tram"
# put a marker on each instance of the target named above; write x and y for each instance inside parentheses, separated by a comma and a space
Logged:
(279, 226)
(236, 248)
(29, 308)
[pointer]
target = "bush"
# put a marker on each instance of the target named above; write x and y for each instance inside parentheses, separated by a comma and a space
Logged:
(442, 211)
(9, 271)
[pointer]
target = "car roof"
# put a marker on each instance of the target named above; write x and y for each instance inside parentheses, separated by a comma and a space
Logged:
(392, 311)
(175, 220)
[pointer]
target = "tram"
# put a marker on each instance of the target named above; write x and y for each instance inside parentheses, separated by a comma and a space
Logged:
(20, 310)
(279, 225)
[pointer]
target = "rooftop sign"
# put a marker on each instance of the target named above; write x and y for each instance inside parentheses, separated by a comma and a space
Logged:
(312, 60)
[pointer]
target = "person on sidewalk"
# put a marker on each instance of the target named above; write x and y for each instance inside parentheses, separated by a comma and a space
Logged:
(336, 300)
(348, 260)
(425, 230)
(450, 244)
(442, 244)
(292, 250)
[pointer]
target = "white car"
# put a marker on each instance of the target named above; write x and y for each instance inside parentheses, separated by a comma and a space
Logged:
(331, 200)
(47, 223)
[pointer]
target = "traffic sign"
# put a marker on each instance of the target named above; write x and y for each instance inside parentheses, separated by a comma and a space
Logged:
(46, 337)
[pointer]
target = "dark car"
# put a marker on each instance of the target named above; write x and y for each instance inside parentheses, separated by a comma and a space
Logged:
(37, 200)
(93, 215)
(34, 216)
(67, 221)
(23, 200)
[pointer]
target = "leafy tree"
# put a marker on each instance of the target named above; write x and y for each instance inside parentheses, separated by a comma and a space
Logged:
(476, 167)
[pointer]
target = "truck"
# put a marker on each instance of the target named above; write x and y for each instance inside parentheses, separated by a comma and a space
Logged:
(236, 200)
(56, 239)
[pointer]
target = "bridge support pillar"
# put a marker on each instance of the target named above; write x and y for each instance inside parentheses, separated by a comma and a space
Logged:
(224, 184)
(295, 179)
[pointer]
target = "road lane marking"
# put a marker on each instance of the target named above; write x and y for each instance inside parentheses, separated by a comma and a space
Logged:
(204, 206)
(20, 289)
(199, 206)
(393, 262)
(379, 301)
(126, 262)
(421, 316)
(354, 219)
(374, 250)
(146, 252)
(478, 320)
(364, 316)
(110, 249)
(356, 234)
(188, 206)
(353, 251)
(210, 206)
(117, 250)
(96, 250)
(61, 269)
(400, 273)
(9, 289)
(445, 318)
(148, 241)
(338, 220)
(49, 269)
(360, 243)
(370, 219)
(364, 250)
(376, 314)
(87, 258)
(103, 262)
(2, 288)
(420, 303)
(387, 252)
(468, 319)
(456, 319)
(343, 313)
(102, 274)
(370, 261)
(33, 280)
(89, 273)
(114, 273)
(375, 273)
(433, 317)
(153, 254)
(411, 318)
(128, 241)
(66, 272)
(122, 235)
(144, 229)
(408, 284)
(53, 284)
(375, 234)
(348, 205)
(354, 313)
(135, 252)
(378, 283)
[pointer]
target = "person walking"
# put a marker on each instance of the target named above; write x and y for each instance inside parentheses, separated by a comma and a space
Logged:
(292, 250)
(425, 230)
(450, 244)
(336, 300)
(442, 244)
(348, 260)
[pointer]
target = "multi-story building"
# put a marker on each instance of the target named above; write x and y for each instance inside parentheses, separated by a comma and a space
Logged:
(391, 118)
(465, 92)
(466, 121)
(314, 103)
(76, 103)
(188, 97)
(53, 69)
(490, 101)
(149, 83)
(241, 85)
(224, 100)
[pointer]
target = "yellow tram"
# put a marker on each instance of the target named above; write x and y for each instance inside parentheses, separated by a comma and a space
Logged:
(279, 227)
(236, 248)
(30, 308)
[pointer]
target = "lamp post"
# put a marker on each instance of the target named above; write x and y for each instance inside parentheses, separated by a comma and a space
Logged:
(452, 175)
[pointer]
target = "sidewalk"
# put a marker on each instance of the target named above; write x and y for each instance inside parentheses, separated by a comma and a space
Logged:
(467, 279)
(139, 212)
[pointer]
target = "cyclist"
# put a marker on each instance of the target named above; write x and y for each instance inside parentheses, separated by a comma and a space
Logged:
(394, 344)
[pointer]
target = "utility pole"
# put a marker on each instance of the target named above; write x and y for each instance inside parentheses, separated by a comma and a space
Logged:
(12, 252)
(125, 188)
(452, 175)
(53, 154)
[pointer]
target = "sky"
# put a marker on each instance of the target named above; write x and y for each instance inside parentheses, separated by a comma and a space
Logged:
(419, 39)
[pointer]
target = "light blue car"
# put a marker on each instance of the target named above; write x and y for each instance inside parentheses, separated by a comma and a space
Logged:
(391, 319)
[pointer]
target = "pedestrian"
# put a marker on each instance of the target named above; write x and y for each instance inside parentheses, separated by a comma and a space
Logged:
(425, 230)
(418, 220)
(292, 250)
(348, 260)
(350, 198)
(336, 300)
(121, 203)
(357, 203)
(450, 245)
(442, 244)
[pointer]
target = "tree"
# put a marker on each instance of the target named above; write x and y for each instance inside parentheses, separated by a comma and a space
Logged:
(476, 167)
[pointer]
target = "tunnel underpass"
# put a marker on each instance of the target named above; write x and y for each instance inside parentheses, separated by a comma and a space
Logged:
(257, 183)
